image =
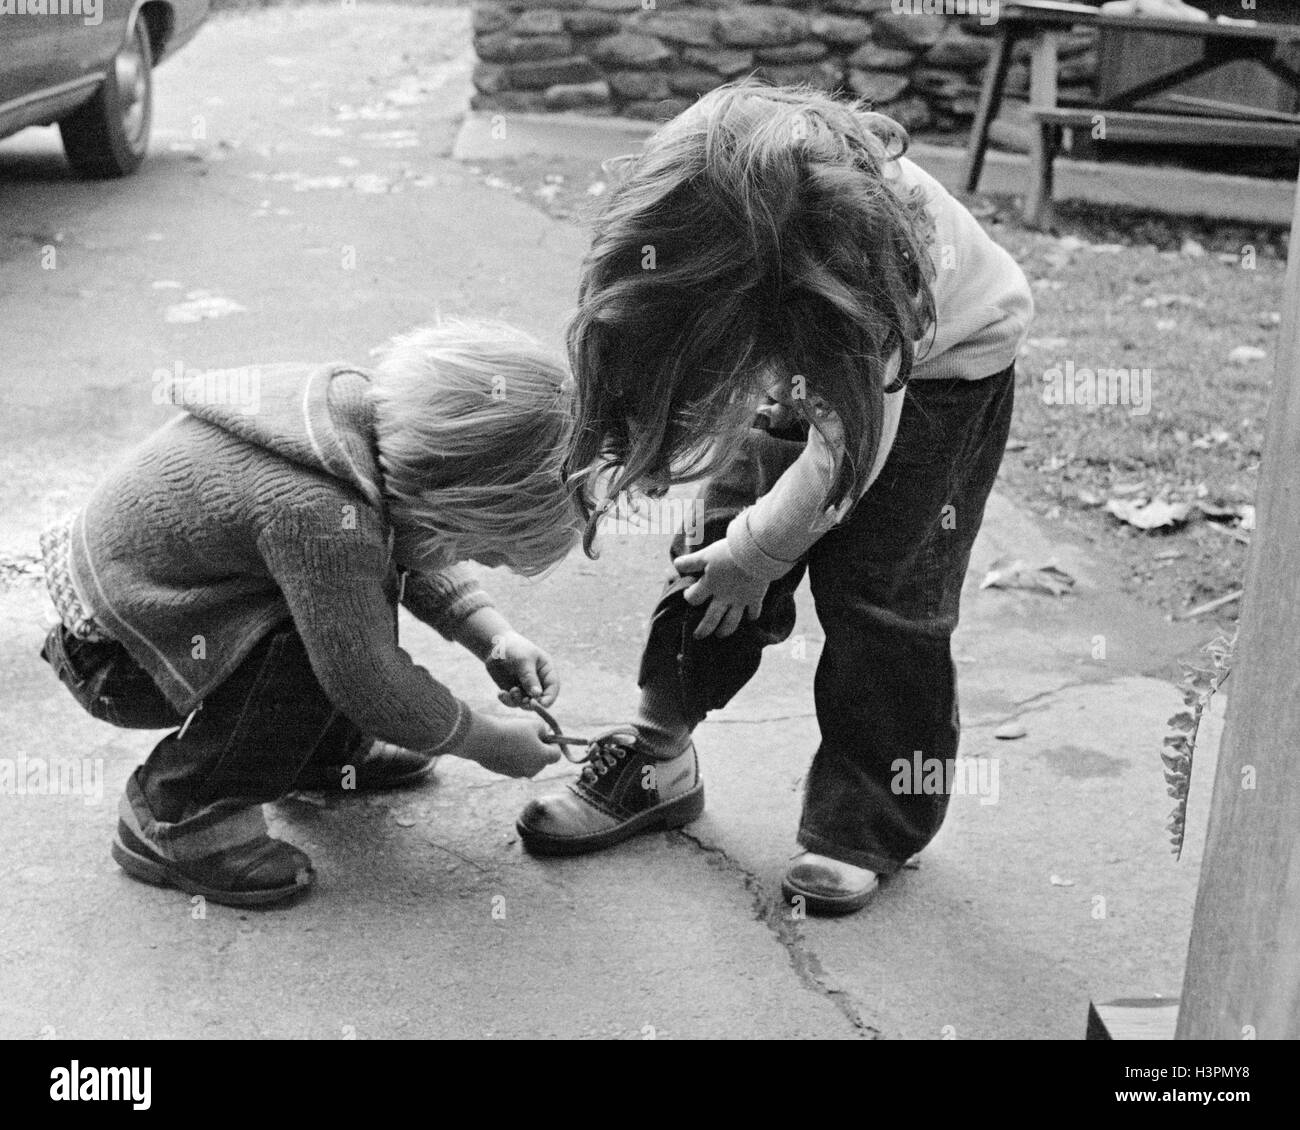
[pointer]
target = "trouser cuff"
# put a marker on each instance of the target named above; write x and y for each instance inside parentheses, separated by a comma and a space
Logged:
(871, 860)
(202, 831)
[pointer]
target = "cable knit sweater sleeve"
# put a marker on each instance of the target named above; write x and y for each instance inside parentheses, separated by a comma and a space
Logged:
(334, 587)
(444, 598)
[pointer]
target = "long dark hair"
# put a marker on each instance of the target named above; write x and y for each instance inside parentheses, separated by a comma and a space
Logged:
(754, 240)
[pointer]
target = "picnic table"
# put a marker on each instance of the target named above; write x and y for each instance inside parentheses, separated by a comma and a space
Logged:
(1119, 117)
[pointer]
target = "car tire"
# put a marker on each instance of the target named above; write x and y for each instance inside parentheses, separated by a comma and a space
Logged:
(109, 135)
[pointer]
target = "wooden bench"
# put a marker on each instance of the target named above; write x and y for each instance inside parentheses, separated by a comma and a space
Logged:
(1127, 125)
(1122, 116)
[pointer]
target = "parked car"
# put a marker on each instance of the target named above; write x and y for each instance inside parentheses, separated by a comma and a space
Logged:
(88, 64)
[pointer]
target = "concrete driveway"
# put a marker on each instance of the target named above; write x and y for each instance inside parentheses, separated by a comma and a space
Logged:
(301, 203)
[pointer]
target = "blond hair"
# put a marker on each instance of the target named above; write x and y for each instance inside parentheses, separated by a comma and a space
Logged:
(471, 421)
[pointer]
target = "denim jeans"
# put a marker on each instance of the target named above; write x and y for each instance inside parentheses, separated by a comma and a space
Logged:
(887, 587)
(245, 746)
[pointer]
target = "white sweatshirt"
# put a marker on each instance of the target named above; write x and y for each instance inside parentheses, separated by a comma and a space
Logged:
(983, 306)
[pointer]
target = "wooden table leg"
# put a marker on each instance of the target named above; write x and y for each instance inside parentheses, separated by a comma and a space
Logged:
(1042, 139)
(995, 78)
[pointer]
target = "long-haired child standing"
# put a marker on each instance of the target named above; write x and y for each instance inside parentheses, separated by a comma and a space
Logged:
(777, 300)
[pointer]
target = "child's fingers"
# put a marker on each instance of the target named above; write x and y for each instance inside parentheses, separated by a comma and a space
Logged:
(689, 563)
(699, 592)
(730, 622)
(550, 685)
(712, 618)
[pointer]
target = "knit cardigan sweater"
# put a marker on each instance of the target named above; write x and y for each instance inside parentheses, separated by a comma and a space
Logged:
(233, 518)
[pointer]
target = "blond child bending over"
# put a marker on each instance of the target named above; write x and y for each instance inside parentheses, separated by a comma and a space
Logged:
(236, 580)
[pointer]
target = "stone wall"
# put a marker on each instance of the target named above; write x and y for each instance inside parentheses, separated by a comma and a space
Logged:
(650, 58)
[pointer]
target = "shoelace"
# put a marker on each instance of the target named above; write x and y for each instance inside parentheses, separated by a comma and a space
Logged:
(602, 752)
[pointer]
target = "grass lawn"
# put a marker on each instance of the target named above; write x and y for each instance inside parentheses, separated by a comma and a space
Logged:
(1113, 290)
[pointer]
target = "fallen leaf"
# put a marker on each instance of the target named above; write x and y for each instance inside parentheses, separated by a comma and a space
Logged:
(1009, 731)
(1216, 438)
(1149, 515)
(1214, 510)
(1175, 300)
(1016, 445)
(371, 184)
(1090, 498)
(1246, 354)
(1014, 573)
(1192, 249)
(1057, 881)
(201, 304)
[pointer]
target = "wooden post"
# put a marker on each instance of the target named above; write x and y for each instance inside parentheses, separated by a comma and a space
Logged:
(1243, 966)
(995, 78)
(1042, 147)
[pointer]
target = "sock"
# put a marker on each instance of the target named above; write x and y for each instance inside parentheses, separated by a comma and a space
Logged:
(660, 723)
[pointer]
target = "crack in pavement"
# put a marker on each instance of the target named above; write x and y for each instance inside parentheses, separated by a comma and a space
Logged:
(771, 912)
(1036, 702)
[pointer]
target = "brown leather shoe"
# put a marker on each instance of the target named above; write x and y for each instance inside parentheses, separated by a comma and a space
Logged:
(622, 792)
(253, 873)
(383, 766)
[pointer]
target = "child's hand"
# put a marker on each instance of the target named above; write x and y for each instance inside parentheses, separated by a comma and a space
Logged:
(522, 670)
(733, 593)
(513, 748)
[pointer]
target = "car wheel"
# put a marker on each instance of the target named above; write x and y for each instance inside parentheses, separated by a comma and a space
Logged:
(108, 136)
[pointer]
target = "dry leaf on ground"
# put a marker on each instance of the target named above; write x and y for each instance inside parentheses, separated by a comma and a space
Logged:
(1014, 573)
(1149, 515)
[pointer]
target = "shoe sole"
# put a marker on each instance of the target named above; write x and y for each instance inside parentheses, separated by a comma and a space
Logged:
(671, 814)
(160, 875)
(828, 904)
